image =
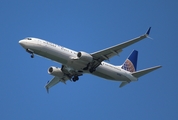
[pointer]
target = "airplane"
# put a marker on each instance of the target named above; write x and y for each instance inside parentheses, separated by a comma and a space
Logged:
(75, 64)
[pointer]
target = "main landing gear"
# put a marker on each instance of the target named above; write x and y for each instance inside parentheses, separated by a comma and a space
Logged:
(87, 67)
(75, 78)
(91, 69)
(31, 52)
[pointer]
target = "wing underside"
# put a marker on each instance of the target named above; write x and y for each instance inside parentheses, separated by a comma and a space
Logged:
(107, 53)
(68, 74)
(53, 82)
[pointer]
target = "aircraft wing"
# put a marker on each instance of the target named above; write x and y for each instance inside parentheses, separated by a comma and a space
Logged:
(107, 53)
(53, 82)
(68, 76)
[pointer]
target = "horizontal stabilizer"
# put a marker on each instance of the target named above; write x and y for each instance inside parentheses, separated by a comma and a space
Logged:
(145, 71)
(123, 84)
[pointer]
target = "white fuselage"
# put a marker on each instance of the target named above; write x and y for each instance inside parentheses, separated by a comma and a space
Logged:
(65, 56)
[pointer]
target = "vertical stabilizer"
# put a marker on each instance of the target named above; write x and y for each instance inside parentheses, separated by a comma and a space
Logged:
(130, 63)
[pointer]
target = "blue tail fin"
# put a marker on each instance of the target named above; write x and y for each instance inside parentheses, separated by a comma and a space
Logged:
(130, 63)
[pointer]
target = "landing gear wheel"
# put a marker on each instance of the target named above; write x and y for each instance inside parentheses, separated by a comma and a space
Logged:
(75, 78)
(92, 70)
(32, 56)
(31, 52)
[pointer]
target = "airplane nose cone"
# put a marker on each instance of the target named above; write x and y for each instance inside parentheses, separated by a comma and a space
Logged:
(22, 43)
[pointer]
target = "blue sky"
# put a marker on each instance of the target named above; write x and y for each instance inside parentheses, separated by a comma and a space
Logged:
(88, 26)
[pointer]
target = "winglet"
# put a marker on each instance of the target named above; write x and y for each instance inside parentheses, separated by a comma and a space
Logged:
(47, 89)
(123, 84)
(148, 31)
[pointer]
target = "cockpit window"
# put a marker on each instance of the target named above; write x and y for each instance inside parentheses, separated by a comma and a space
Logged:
(28, 38)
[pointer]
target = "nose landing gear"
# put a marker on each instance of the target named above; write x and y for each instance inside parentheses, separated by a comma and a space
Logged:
(32, 56)
(31, 52)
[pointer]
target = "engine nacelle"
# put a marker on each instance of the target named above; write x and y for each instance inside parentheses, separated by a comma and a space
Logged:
(84, 56)
(55, 71)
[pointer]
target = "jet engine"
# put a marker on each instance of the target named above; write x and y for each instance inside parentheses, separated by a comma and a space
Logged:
(84, 56)
(55, 71)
